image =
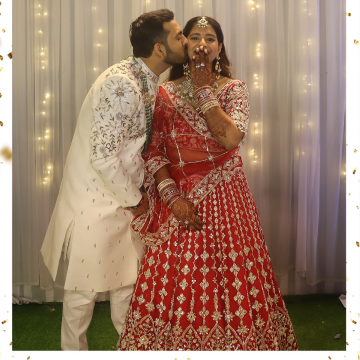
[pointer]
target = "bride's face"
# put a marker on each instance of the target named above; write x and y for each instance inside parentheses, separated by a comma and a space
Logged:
(206, 37)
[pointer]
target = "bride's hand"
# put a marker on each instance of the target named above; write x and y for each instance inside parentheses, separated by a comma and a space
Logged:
(201, 69)
(186, 213)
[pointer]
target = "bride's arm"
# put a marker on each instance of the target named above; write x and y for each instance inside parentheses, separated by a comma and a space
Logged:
(184, 211)
(223, 128)
(227, 130)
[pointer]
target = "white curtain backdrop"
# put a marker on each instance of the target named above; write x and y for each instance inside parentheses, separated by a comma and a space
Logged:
(291, 54)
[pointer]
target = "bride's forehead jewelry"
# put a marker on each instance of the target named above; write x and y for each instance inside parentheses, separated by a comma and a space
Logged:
(202, 22)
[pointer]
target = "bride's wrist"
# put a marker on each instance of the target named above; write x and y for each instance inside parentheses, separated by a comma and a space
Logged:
(205, 98)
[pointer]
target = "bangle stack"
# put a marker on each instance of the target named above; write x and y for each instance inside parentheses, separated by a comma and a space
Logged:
(168, 191)
(205, 98)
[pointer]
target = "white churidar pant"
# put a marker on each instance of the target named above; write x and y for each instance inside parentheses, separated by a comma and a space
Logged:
(78, 308)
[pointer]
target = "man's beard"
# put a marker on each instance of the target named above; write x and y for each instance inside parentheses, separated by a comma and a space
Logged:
(172, 58)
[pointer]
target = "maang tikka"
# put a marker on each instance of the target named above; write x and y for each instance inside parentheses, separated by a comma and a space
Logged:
(202, 22)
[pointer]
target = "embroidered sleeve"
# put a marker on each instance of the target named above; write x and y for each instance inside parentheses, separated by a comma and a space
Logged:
(238, 106)
(114, 105)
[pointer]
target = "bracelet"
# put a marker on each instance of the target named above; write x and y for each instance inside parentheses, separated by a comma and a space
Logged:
(139, 204)
(209, 105)
(204, 95)
(165, 183)
(172, 202)
(206, 99)
(168, 193)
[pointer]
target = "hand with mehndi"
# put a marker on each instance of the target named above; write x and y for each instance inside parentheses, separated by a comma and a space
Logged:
(187, 215)
(201, 69)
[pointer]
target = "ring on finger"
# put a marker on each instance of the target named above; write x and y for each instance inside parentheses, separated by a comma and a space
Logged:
(202, 64)
(197, 66)
(186, 222)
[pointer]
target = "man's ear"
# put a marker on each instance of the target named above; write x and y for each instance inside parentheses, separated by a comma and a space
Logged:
(160, 50)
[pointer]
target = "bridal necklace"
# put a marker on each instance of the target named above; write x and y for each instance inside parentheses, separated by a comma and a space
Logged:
(186, 89)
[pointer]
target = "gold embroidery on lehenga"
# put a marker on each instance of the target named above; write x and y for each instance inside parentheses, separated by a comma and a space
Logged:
(209, 290)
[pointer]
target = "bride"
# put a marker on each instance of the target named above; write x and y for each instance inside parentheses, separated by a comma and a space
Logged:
(206, 280)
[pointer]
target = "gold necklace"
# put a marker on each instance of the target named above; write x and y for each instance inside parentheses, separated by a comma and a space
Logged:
(186, 90)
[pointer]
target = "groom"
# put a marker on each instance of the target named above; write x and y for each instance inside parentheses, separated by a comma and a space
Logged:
(101, 189)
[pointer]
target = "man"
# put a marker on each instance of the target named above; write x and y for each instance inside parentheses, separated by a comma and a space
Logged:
(101, 187)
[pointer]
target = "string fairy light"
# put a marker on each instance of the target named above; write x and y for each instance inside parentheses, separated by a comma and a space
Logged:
(256, 84)
(45, 102)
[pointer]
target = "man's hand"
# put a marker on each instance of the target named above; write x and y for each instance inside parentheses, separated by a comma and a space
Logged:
(186, 213)
(142, 208)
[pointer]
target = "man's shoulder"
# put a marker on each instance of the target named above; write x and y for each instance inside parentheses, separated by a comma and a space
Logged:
(119, 73)
(124, 69)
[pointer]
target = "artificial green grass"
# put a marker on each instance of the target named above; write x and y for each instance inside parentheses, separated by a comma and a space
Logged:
(316, 320)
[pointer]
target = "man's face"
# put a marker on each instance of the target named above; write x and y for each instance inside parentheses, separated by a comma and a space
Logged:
(176, 48)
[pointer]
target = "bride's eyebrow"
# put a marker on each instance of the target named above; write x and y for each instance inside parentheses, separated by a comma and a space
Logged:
(202, 34)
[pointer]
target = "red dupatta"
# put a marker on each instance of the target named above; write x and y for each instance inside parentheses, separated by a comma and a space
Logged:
(180, 140)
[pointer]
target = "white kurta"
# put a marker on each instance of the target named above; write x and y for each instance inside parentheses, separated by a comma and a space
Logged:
(102, 175)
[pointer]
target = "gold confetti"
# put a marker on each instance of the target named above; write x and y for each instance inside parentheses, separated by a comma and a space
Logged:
(349, 194)
(347, 278)
(1, 69)
(10, 343)
(355, 41)
(3, 322)
(330, 357)
(28, 357)
(0, 95)
(1, 123)
(1, 57)
(10, 55)
(3, 30)
(354, 172)
(347, 343)
(357, 244)
(353, 321)
(357, 207)
(348, 14)
(6, 153)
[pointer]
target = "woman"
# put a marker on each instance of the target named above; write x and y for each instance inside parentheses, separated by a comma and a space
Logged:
(206, 281)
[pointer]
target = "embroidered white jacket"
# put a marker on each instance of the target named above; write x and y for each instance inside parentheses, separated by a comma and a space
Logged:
(102, 175)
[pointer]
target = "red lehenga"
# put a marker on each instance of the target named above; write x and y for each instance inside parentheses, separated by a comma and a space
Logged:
(208, 290)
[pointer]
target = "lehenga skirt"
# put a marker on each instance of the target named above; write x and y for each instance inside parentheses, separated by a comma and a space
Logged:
(214, 289)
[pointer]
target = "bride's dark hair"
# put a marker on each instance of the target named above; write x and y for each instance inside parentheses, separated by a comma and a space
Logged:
(176, 71)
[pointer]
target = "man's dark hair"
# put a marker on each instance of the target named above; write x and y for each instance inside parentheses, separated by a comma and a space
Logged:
(147, 30)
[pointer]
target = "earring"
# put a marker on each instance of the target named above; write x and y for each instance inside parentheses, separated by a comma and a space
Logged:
(186, 71)
(217, 68)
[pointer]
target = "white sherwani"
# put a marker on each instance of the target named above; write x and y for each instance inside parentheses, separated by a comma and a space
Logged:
(102, 175)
